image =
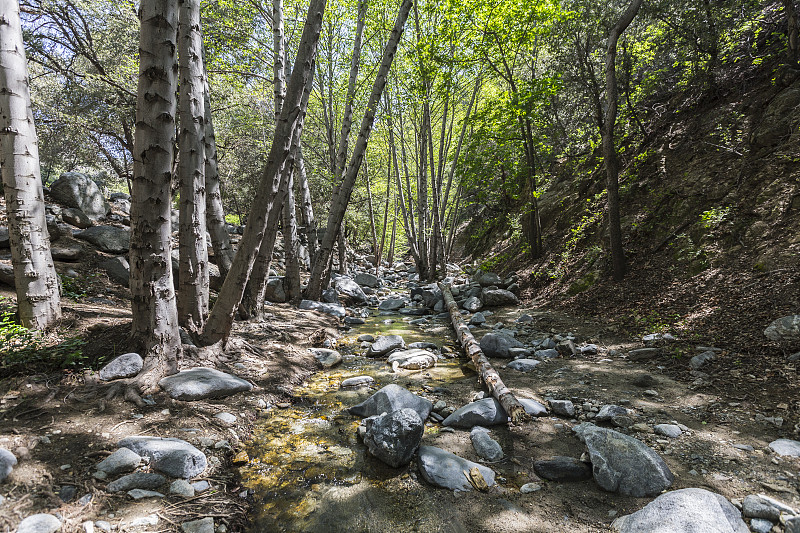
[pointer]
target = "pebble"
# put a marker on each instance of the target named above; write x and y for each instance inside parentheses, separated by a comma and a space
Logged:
(744, 447)
(201, 486)
(204, 525)
(39, 523)
(358, 381)
(668, 430)
(181, 487)
(759, 525)
(102, 524)
(7, 463)
(138, 494)
(528, 488)
(149, 520)
(562, 407)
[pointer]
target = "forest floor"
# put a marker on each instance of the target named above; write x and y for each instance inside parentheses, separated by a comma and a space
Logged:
(59, 425)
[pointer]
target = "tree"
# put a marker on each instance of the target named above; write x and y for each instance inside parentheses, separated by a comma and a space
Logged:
(35, 276)
(193, 263)
(155, 314)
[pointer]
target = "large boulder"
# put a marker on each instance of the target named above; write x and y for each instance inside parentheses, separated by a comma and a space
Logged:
(488, 279)
(74, 189)
(5, 240)
(392, 398)
(488, 412)
(125, 366)
(430, 294)
(122, 460)
(275, 291)
(444, 469)
(350, 291)
(201, 383)
(39, 523)
(174, 457)
(326, 357)
(394, 437)
(109, 239)
(392, 304)
(329, 309)
(496, 297)
(786, 329)
(76, 217)
(787, 447)
(7, 275)
(624, 464)
(118, 270)
(365, 279)
(414, 359)
(385, 344)
(499, 344)
(7, 463)
(684, 511)
(560, 468)
(473, 304)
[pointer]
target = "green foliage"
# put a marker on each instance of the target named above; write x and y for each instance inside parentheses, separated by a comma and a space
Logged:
(77, 288)
(714, 217)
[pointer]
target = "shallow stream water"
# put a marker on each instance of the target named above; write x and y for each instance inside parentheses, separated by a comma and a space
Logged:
(308, 469)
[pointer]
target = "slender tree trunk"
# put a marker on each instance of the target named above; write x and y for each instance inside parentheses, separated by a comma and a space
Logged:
(342, 247)
(215, 213)
(35, 275)
(609, 150)
(340, 201)
(379, 254)
(306, 208)
(371, 215)
(193, 269)
(220, 321)
(791, 31)
(390, 258)
(155, 314)
(291, 246)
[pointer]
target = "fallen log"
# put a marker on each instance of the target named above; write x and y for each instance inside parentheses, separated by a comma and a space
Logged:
(488, 375)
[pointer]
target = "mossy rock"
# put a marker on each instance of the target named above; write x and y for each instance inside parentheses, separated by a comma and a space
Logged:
(583, 284)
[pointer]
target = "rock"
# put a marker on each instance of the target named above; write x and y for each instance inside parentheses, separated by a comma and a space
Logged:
(77, 190)
(330, 296)
(701, 359)
(523, 365)
(684, 511)
(472, 304)
(394, 437)
(357, 381)
(366, 279)
(607, 412)
(525, 319)
(488, 279)
(354, 321)
(66, 253)
(109, 239)
(275, 292)
(226, 418)
(137, 480)
(350, 291)
(122, 460)
(529, 488)
(204, 525)
(786, 447)
(421, 345)
(497, 297)
(328, 309)
(644, 381)
(754, 506)
(793, 524)
(444, 469)
(642, 354)
(7, 463)
(624, 464)
(5, 241)
(385, 344)
(562, 468)
(181, 487)
(140, 494)
(562, 408)
(411, 359)
(201, 486)
(67, 493)
(392, 304)
(174, 457)
(392, 398)
(39, 523)
(327, 358)
(668, 430)
(124, 366)
(786, 329)
(488, 412)
(118, 270)
(149, 520)
(759, 525)
(478, 319)
(366, 338)
(201, 383)
(77, 218)
(484, 445)
(498, 345)
(550, 353)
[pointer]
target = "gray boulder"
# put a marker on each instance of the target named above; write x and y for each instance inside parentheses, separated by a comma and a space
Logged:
(124, 366)
(701, 359)
(329, 309)
(394, 437)
(330, 296)
(488, 279)
(562, 407)
(357, 381)
(366, 279)
(498, 345)
(7, 463)
(174, 457)
(204, 525)
(201, 382)
(349, 290)
(327, 358)
(684, 511)
(444, 469)
(392, 398)
(488, 412)
(787, 447)
(786, 329)
(607, 412)
(77, 218)
(478, 319)
(74, 189)
(275, 292)
(524, 365)
(66, 253)
(392, 304)
(472, 304)
(560, 468)
(137, 480)
(39, 523)
(118, 270)
(5, 240)
(122, 460)
(385, 344)
(497, 297)
(757, 506)
(624, 464)
(414, 359)
(7, 275)
(668, 430)
(109, 239)
(484, 445)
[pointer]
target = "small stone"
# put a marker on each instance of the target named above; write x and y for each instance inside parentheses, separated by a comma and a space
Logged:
(204, 525)
(7, 463)
(125, 366)
(529, 488)
(122, 460)
(226, 418)
(181, 487)
(39, 523)
(785, 447)
(67, 493)
(759, 525)
(484, 445)
(668, 430)
(201, 486)
(102, 524)
(138, 480)
(366, 338)
(139, 494)
(149, 520)
(701, 359)
(88, 527)
(358, 381)
(561, 468)
(562, 407)
(642, 354)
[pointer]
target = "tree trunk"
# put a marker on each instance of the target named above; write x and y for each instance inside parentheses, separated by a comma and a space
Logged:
(371, 215)
(35, 275)
(379, 253)
(291, 246)
(220, 321)
(215, 213)
(342, 246)
(340, 200)
(390, 257)
(193, 269)
(609, 150)
(488, 375)
(306, 209)
(791, 31)
(155, 314)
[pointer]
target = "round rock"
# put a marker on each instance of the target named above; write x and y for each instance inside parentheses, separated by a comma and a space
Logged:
(125, 366)
(39, 523)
